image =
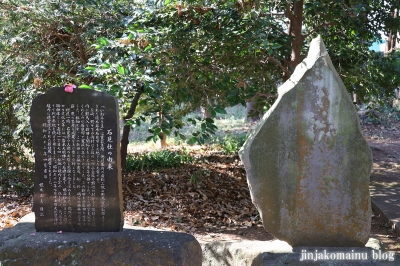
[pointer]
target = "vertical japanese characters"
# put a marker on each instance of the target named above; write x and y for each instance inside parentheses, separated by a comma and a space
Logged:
(74, 141)
(77, 173)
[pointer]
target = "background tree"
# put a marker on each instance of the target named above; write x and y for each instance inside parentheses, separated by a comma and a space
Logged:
(45, 44)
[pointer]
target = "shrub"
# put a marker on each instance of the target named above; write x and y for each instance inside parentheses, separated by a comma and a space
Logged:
(16, 181)
(231, 144)
(15, 135)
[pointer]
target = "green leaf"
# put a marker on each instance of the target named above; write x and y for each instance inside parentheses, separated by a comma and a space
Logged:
(84, 86)
(103, 41)
(276, 46)
(157, 131)
(192, 140)
(148, 47)
(220, 110)
(90, 68)
(213, 113)
(105, 65)
(121, 69)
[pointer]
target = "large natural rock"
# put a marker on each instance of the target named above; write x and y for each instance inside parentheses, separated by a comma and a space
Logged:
(243, 253)
(21, 245)
(307, 163)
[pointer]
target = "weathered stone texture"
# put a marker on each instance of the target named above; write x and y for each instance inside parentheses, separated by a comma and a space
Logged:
(128, 247)
(307, 163)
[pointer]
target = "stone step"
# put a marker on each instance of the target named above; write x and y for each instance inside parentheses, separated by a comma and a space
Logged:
(22, 245)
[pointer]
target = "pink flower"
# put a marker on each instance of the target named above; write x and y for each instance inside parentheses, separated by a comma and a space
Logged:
(59, 232)
(32, 234)
(69, 87)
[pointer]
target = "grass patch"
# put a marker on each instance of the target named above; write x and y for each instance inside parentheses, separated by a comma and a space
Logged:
(231, 144)
(158, 160)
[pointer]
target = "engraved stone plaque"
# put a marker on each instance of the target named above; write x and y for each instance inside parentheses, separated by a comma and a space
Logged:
(78, 186)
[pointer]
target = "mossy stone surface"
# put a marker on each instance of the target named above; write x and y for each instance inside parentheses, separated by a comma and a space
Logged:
(310, 181)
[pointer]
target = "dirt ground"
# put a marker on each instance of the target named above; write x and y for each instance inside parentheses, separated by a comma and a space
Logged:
(210, 198)
(384, 140)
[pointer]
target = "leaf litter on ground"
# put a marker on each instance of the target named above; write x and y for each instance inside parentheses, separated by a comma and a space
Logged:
(209, 197)
(210, 194)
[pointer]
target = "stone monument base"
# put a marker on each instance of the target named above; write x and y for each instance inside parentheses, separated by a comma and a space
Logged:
(280, 253)
(22, 245)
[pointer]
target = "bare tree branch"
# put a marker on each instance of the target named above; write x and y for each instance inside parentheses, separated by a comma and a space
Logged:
(276, 62)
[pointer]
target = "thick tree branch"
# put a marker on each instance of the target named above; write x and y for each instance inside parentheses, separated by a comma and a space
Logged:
(127, 128)
(134, 104)
(289, 14)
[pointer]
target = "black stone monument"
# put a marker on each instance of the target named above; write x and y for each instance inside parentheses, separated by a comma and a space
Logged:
(78, 186)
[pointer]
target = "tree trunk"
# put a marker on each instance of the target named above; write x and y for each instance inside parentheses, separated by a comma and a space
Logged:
(297, 42)
(295, 16)
(163, 136)
(392, 38)
(127, 128)
(163, 140)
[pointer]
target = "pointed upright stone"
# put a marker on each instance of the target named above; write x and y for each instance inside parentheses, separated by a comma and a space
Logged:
(307, 163)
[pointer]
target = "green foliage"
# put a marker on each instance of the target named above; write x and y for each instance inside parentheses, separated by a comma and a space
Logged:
(216, 54)
(207, 126)
(380, 112)
(231, 144)
(16, 181)
(43, 44)
(14, 133)
(158, 160)
(376, 78)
